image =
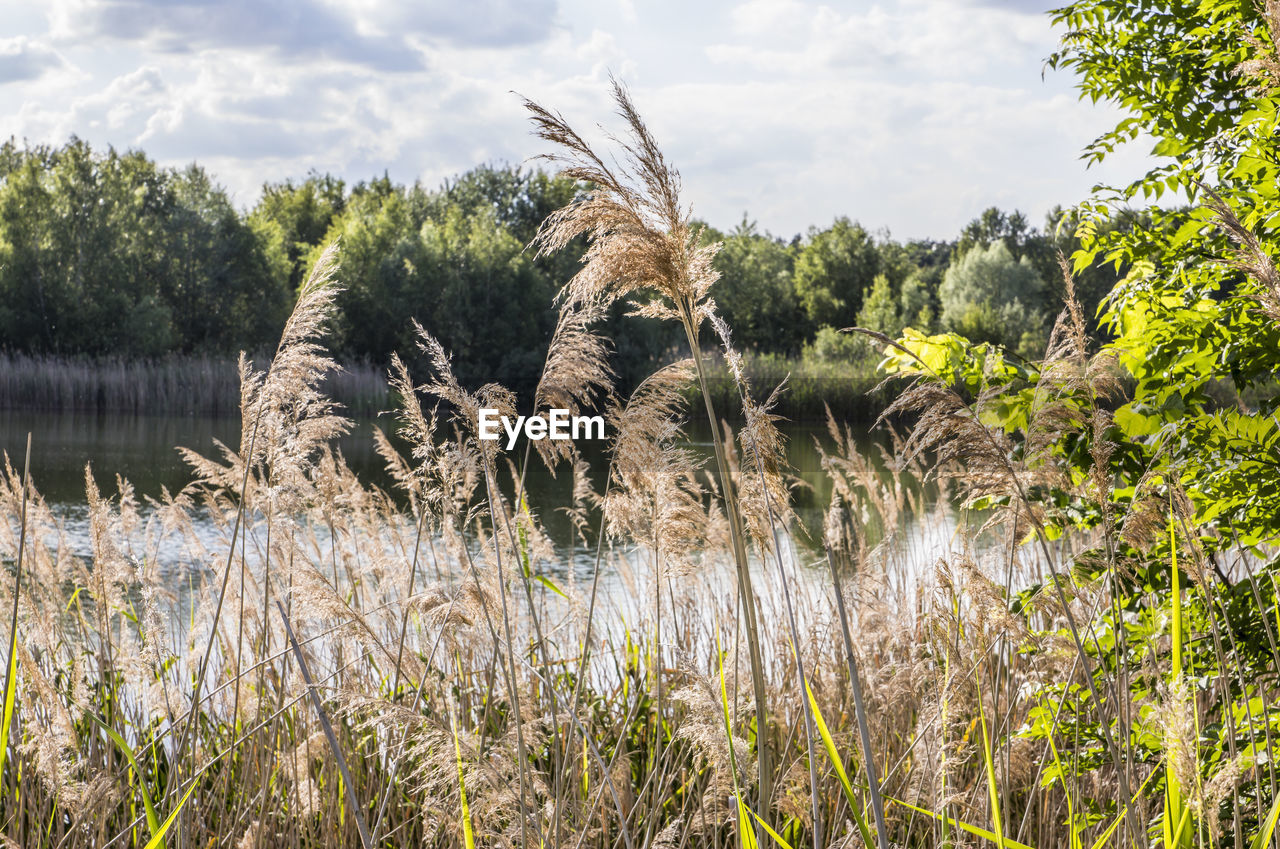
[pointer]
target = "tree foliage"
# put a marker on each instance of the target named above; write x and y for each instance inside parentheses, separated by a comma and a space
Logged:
(107, 253)
(832, 269)
(988, 296)
(103, 253)
(756, 293)
(1171, 497)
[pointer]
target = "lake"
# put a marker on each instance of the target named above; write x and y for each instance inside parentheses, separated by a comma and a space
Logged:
(142, 450)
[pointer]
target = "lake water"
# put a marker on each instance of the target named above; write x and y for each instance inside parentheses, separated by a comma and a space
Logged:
(142, 449)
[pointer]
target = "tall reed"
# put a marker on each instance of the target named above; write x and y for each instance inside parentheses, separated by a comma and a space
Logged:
(334, 664)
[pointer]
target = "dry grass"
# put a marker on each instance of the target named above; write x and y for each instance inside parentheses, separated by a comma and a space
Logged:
(339, 669)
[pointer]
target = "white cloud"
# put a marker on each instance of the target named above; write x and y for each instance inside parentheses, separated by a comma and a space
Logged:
(303, 29)
(911, 114)
(23, 59)
(475, 23)
(917, 39)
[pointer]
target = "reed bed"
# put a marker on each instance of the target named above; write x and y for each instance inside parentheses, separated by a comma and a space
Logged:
(348, 666)
(814, 389)
(176, 385)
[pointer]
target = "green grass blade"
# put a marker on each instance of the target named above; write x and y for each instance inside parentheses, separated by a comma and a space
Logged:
(1066, 791)
(1174, 819)
(1177, 599)
(467, 836)
(11, 667)
(747, 833)
(993, 789)
(1111, 829)
(157, 839)
(834, 755)
(777, 837)
(1268, 828)
(71, 602)
(153, 821)
(551, 585)
(10, 690)
(745, 814)
(1115, 823)
(976, 831)
(365, 840)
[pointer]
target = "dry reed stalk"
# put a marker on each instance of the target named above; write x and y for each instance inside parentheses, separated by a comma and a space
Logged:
(298, 363)
(640, 239)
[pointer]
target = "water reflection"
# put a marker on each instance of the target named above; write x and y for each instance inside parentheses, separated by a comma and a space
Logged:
(142, 449)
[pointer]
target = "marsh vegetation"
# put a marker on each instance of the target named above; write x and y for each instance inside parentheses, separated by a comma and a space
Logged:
(1091, 660)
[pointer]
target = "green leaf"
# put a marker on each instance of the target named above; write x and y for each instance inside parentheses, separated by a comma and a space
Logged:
(1268, 827)
(836, 761)
(976, 831)
(153, 821)
(157, 839)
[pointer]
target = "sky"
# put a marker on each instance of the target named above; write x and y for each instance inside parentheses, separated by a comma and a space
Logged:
(910, 116)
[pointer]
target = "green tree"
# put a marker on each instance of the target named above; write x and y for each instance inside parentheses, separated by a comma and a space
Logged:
(1200, 81)
(385, 276)
(1092, 282)
(836, 346)
(988, 296)
(897, 261)
(105, 253)
(519, 199)
(832, 269)
(221, 287)
(1172, 496)
(917, 302)
(459, 272)
(880, 309)
(75, 269)
(486, 280)
(294, 217)
(755, 293)
(1016, 233)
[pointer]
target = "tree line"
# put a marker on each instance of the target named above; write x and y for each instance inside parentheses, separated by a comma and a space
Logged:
(107, 253)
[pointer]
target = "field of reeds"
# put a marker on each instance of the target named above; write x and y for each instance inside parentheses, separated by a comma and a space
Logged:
(174, 385)
(812, 389)
(346, 666)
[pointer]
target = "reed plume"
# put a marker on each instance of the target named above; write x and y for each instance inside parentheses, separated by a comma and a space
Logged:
(641, 240)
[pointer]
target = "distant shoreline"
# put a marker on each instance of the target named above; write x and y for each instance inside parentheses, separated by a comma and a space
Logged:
(210, 386)
(171, 385)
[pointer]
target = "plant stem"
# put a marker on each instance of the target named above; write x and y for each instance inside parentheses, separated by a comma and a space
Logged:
(763, 755)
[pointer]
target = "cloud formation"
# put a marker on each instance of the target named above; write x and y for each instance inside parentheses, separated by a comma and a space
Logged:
(907, 114)
(291, 29)
(23, 60)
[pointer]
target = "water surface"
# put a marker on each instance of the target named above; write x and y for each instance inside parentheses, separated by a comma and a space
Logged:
(142, 449)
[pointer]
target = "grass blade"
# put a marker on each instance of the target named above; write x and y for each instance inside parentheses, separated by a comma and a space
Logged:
(860, 712)
(976, 831)
(350, 786)
(1268, 828)
(157, 839)
(778, 838)
(746, 832)
(153, 821)
(1174, 819)
(467, 836)
(1111, 829)
(841, 775)
(993, 789)
(11, 667)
